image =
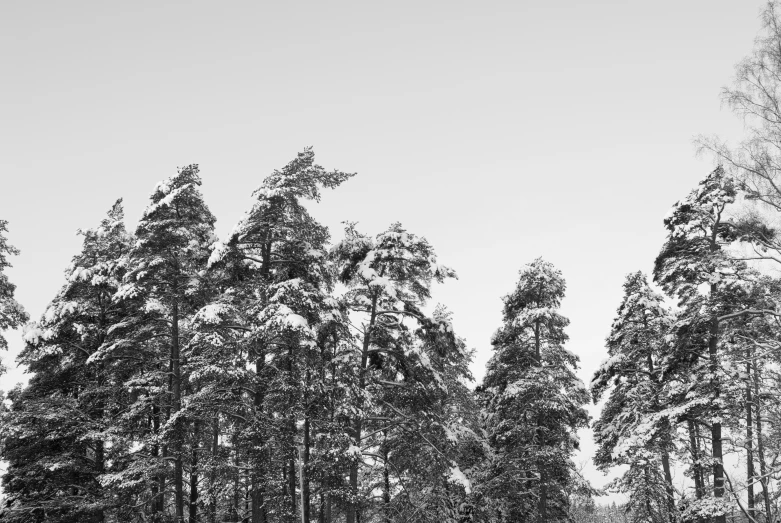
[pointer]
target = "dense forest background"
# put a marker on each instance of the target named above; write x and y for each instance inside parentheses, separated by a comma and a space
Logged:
(291, 373)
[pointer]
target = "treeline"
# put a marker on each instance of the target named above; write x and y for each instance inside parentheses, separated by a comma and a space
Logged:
(272, 377)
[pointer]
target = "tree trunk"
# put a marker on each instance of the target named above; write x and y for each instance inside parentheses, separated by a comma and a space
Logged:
(291, 482)
(291, 442)
(386, 498)
(329, 480)
(665, 455)
(236, 489)
(257, 508)
(699, 486)
(668, 486)
(542, 502)
(257, 504)
(749, 439)
(304, 475)
(176, 400)
(158, 486)
(193, 510)
(100, 458)
(215, 450)
(99, 469)
(761, 445)
(718, 464)
(649, 488)
(352, 516)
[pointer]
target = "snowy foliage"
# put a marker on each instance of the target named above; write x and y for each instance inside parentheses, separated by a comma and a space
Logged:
(12, 314)
(533, 402)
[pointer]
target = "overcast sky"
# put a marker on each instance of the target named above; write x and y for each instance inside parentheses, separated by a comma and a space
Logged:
(500, 131)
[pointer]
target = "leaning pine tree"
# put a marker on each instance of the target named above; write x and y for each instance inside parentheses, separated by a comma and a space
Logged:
(695, 267)
(276, 293)
(534, 403)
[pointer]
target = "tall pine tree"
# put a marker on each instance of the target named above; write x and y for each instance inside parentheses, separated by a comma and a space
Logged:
(629, 430)
(534, 403)
(166, 265)
(59, 438)
(695, 267)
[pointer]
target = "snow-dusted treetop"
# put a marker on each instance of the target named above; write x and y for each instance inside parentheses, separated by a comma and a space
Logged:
(277, 208)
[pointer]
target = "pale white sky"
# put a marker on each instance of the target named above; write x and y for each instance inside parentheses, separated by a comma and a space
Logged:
(501, 131)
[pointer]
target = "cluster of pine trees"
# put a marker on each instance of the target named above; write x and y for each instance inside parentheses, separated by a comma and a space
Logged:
(275, 377)
(691, 385)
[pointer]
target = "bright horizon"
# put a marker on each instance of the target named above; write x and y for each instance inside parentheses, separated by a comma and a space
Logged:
(501, 131)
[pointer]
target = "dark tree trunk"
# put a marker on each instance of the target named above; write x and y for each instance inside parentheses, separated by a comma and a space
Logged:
(694, 443)
(193, 511)
(291, 442)
(215, 450)
(352, 509)
(176, 400)
(542, 502)
(291, 482)
(749, 440)
(718, 464)
(649, 488)
(665, 455)
(258, 505)
(158, 486)
(304, 475)
(236, 486)
(386, 498)
(668, 486)
(99, 413)
(257, 502)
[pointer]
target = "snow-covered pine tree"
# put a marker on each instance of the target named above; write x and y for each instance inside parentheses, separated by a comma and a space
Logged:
(388, 281)
(755, 96)
(694, 267)
(12, 315)
(749, 350)
(276, 297)
(58, 437)
(429, 458)
(165, 266)
(534, 402)
(629, 430)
